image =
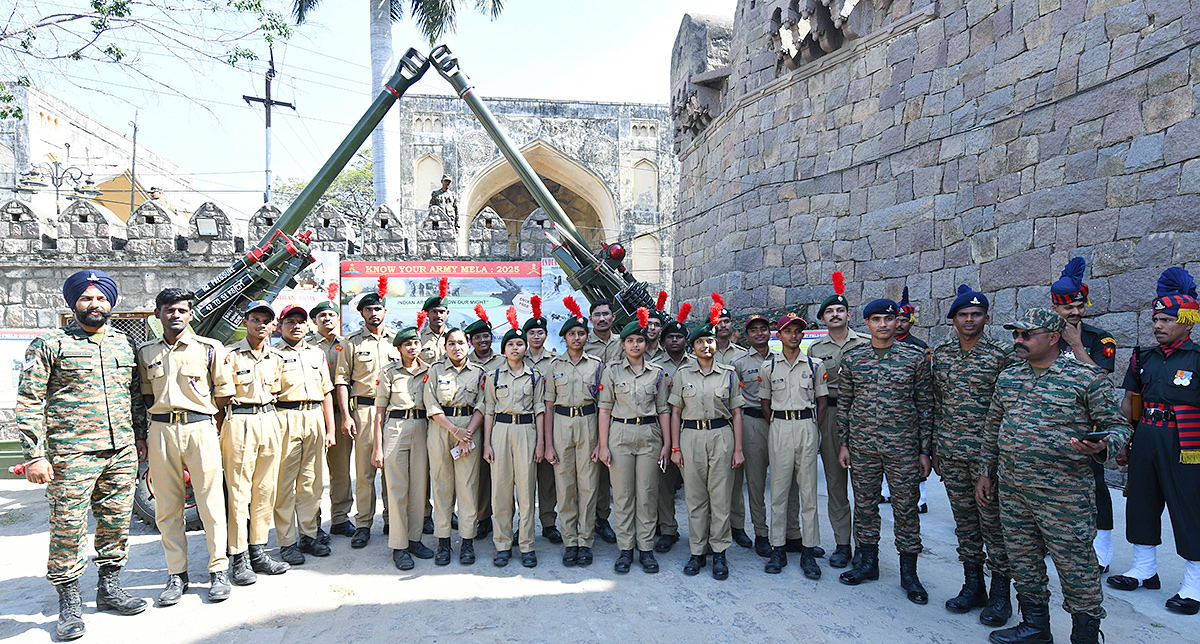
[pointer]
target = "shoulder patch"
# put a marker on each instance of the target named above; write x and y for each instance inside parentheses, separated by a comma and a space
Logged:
(1108, 339)
(1109, 351)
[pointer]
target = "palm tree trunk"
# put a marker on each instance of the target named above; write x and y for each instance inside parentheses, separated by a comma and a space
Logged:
(383, 139)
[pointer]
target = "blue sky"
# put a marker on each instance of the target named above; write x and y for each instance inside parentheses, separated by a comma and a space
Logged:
(617, 50)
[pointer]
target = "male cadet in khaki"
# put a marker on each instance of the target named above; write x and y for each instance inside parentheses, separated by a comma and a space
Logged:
(250, 439)
(337, 457)
(727, 351)
(364, 355)
(539, 356)
(834, 313)
(571, 433)
(307, 429)
(479, 334)
(433, 335)
(79, 410)
(658, 315)
(674, 344)
(185, 377)
(606, 345)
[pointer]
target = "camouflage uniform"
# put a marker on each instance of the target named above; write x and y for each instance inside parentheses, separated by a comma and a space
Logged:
(885, 418)
(1047, 495)
(963, 382)
(79, 405)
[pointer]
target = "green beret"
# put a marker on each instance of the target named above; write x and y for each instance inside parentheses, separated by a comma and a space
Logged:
(478, 326)
(323, 306)
(830, 301)
(370, 299)
(674, 326)
(702, 331)
(407, 333)
(535, 323)
(432, 303)
(517, 334)
(571, 323)
(661, 316)
(633, 328)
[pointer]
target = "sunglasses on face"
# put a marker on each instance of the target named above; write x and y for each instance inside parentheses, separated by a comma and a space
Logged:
(1026, 335)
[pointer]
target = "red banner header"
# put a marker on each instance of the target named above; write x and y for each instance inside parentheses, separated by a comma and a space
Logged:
(439, 269)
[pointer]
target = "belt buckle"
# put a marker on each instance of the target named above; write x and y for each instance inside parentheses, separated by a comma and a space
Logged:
(793, 414)
(576, 411)
(704, 424)
(178, 417)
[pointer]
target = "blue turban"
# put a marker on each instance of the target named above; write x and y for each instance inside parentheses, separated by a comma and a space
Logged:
(876, 307)
(967, 297)
(1177, 296)
(79, 282)
(1070, 287)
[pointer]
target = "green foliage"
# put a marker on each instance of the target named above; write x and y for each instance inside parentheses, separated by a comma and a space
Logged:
(434, 17)
(8, 107)
(352, 193)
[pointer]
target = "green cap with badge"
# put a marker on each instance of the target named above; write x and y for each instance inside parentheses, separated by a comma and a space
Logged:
(407, 333)
(323, 306)
(1038, 319)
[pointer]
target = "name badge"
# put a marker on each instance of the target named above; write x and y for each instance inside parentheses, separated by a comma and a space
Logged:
(243, 371)
(363, 353)
(76, 354)
(558, 375)
(288, 360)
(444, 381)
(751, 371)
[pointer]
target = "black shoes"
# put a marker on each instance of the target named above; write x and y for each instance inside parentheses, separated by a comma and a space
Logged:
(623, 562)
(1033, 629)
(909, 580)
(466, 552)
(1121, 582)
(693, 565)
(322, 538)
(529, 559)
(291, 555)
(720, 569)
(314, 547)
(584, 559)
(866, 569)
(972, 594)
(840, 557)
(501, 558)
(403, 559)
(605, 531)
(648, 562)
(427, 526)
(1183, 606)
(110, 594)
(443, 555)
(218, 586)
(243, 574)
(663, 542)
(345, 529)
(261, 562)
(483, 528)
(808, 564)
(70, 611)
(420, 550)
(999, 605)
(570, 556)
(794, 545)
(361, 538)
(387, 529)
(1085, 629)
(552, 534)
(762, 546)
(776, 562)
(741, 538)
(177, 585)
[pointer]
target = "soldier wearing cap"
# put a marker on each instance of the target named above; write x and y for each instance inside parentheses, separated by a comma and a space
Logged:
(185, 379)
(446, 198)
(328, 323)
(539, 357)
(727, 351)
(360, 364)
(606, 345)
(79, 415)
(1095, 346)
(965, 368)
(1038, 425)
(706, 424)
(905, 318)
(514, 407)
(399, 447)
(433, 335)
(307, 429)
(792, 394)
(886, 425)
(654, 346)
(479, 334)
(250, 443)
(834, 313)
(571, 435)
(675, 355)
(1164, 455)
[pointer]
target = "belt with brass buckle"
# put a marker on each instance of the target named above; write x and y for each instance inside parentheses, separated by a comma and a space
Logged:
(459, 411)
(407, 414)
(252, 409)
(575, 412)
(792, 414)
(640, 420)
(180, 417)
(517, 419)
(716, 423)
(302, 405)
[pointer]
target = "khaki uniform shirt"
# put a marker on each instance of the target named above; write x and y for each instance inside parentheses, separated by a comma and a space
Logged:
(305, 374)
(748, 367)
(402, 388)
(432, 345)
(631, 395)
(731, 353)
(491, 364)
(508, 392)
(670, 368)
(706, 396)
(256, 378)
(184, 377)
(571, 384)
(610, 352)
(792, 387)
(362, 359)
(450, 387)
(659, 354)
(546, 357)
(831, 354)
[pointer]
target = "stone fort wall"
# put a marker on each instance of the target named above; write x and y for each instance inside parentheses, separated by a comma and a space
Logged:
(928, 144)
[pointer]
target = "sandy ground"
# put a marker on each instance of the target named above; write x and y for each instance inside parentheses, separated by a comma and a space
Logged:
(357, 595)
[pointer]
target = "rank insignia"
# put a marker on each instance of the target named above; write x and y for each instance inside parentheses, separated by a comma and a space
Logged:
(1183, 378)
(1110, 352)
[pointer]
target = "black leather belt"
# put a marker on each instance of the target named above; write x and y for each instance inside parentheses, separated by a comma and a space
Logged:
(302, 405)
(753, 412)
(831, 401)
(365, 400)
(705, 424)
(180, 417)
(640, 420)
(792, 414)
(574, 412)
(407, 414)
(517, 419)
(252, 409)
(459, 411)
(1158, 415)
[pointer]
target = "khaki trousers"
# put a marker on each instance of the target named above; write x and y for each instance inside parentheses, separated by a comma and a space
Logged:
(301, 474)
(250, 452)
(453, 480)
(195, 446)
(752, 477)
(576, 477)
(837, 478)
(406, 471)
(707, 485)
(513, 470)
(546, 496)
(634, 473)
(794, 446)
(337, 460)
(364, 472)
(667, 524)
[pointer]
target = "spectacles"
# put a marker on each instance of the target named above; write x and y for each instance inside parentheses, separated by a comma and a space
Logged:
(1026, 335)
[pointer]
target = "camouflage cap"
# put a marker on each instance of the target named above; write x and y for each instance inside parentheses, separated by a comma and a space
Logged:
(1038, 319)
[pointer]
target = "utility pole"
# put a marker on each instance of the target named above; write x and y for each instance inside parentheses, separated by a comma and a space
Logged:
(133, 165)
(267, 104)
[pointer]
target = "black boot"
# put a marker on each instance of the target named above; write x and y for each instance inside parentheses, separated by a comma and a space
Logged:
(262, 562)
(402, 559)
(218, 585)
(70, 611)
(972, 594)
(1085, 629)
(999, 606)
(808, 564)
(177, 585)
(720, 568)
(110, 594)
(776, 562)
(1033, 629)
(909, 580)
(693, 565)
(291, 555)
(741, 538)
(623, 562)
(762, 546)
(647, 560)
(243, 575)
(840, 557)
(466, 552)
(443, 554)
(866, 568)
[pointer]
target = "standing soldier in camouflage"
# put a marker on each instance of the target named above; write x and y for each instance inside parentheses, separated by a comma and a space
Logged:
(834, 313)
(186, 379)
(905, 318)
(886, 423)
(674, 357)
(1037, 446)
(337, 458)
(79, 412)
(965, 368)
(606, 345)
(446, 198)
(539, 356)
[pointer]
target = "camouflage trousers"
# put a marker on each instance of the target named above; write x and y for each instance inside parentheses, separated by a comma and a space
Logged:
(103, 481)
(975, 525)
(868, 464)
(1061, 522)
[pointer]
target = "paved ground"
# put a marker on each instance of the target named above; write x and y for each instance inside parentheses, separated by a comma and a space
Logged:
(356, 595)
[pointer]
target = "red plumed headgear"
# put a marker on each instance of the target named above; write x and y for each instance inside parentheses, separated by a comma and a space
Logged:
(381, 289)
(573, 307)
(661, 305)
(443, 288)
(643, 316)
(685, 310)
(421, 316)
(535, 303)
(511, 314)
(482, 313)
(839, 283)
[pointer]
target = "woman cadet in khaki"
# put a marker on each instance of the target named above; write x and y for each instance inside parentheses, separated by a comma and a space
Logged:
(706, 425)
(400, 447)
(633, 411)
(454, 404)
